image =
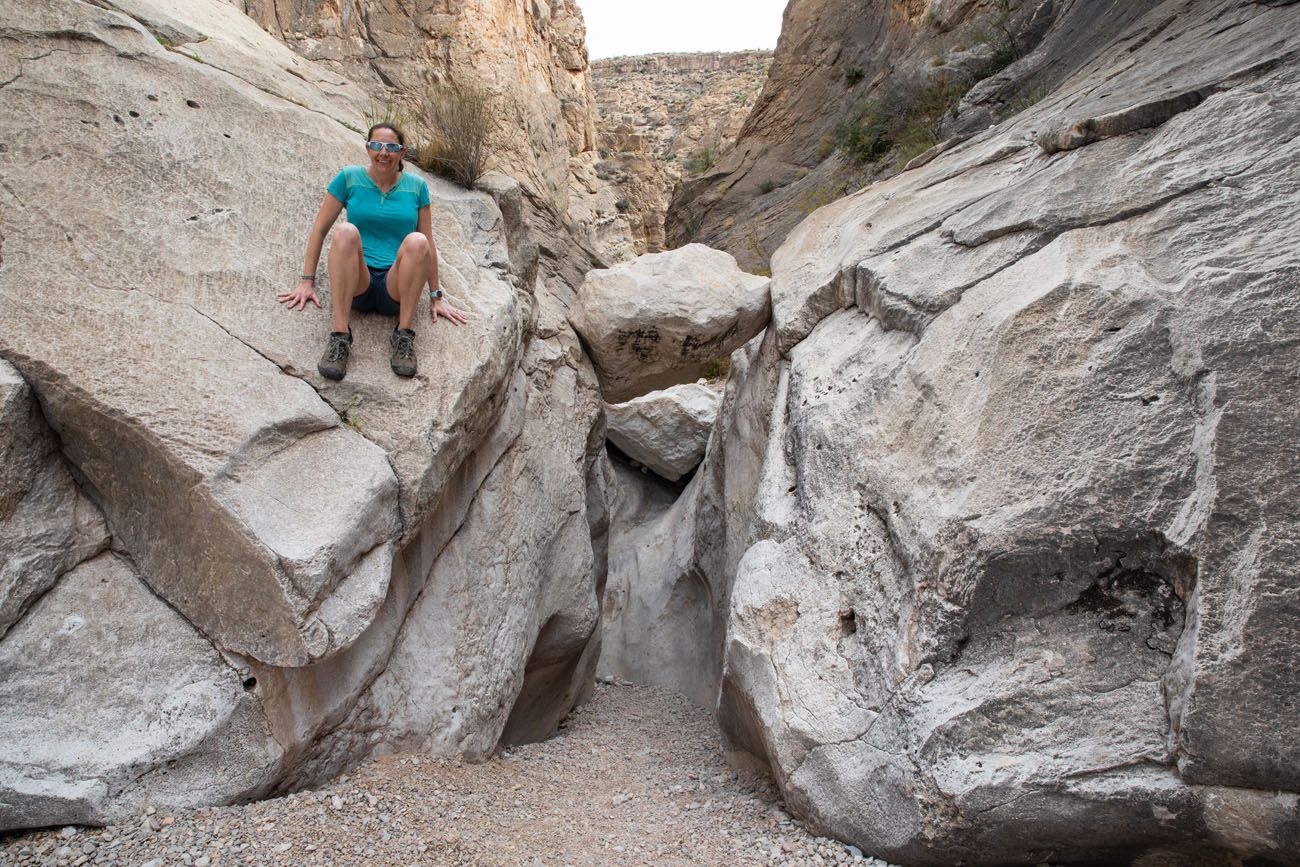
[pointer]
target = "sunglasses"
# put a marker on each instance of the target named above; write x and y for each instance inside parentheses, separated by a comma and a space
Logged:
(391, 146)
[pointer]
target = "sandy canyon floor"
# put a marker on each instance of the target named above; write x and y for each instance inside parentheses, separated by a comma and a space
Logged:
(636, 776)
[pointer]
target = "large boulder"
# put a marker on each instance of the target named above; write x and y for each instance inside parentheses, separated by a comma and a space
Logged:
(660, 319)
(290, 521)
(1001, 512)
(121, 700)
(667, 430)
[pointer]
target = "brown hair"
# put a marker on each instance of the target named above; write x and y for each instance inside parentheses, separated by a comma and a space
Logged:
(401, 139)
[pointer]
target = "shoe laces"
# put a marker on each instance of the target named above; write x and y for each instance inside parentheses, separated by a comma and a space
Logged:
(338, 348)
(405, 345)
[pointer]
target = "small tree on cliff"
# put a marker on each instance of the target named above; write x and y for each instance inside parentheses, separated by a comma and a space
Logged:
(456, 126)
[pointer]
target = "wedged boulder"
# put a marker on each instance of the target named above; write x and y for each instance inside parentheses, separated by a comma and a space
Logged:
(124, 703)
(1001, 513)
(292, 521)
(46, 525)
(660, 319)
(665, 430)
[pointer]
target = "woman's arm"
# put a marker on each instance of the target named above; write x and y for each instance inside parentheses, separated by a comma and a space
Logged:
(329, 212)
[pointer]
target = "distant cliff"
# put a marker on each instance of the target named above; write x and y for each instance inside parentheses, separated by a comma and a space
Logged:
(677, 62)
(663, 117)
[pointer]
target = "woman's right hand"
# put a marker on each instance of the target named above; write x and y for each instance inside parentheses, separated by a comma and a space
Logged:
(297, 298)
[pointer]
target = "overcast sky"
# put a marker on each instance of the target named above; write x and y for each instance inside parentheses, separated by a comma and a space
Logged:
(618, 27)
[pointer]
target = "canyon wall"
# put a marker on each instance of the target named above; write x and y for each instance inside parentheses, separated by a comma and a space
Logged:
(228, 576)
(992, 553)
(664, 117)
(912, 60)
(530, 55)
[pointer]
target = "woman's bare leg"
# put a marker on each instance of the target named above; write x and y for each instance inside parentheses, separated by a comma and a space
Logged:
(349, 276)
(409, 274)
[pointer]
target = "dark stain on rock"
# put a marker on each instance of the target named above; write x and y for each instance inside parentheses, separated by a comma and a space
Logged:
(1127, 600)
(642, 341)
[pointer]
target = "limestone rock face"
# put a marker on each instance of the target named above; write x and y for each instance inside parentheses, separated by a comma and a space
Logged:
(663, 117)
(660, 319)
(286, 522)
(1000, 511)
(541, 617)
(46, 525)
(665, 430)
(530, 55)
(122, 703)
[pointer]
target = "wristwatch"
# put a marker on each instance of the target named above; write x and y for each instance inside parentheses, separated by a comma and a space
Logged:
(435, 294)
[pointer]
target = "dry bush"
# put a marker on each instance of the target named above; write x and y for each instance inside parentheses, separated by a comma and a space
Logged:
(457, 131)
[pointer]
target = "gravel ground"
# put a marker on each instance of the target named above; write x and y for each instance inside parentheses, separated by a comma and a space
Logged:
(636, 776)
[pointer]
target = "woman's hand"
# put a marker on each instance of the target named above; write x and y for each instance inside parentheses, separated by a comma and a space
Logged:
(297, 299)
(440, 307)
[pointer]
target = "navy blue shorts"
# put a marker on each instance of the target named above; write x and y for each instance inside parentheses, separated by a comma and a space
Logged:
(376, 298)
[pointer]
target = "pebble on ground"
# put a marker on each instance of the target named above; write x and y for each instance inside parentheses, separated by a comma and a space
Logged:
(636, 776)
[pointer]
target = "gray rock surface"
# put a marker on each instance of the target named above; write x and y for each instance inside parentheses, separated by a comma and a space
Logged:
(527, 535)
(1000, 512)
(123, 703)
(657, 611)
(660, 319)
(46, 525)
(293, 522)
(665, 430)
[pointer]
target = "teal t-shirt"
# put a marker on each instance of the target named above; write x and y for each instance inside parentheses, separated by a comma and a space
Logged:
(383, 219)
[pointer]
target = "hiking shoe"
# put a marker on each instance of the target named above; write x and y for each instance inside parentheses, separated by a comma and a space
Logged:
(334, 363)
(403, 358)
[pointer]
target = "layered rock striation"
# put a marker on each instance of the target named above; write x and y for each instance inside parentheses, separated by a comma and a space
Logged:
(664, 117)
(994, 542)
(215, 559)
(858, 89)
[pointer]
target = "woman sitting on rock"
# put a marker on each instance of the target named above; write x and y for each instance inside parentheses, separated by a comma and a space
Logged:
(381, 259)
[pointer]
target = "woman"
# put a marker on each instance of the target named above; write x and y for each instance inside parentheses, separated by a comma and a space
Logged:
(381, 259)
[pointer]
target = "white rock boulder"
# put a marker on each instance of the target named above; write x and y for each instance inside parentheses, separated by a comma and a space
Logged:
(287, 524)
(122, 703)
(1001, 511)
(666, 430)
(660, 319)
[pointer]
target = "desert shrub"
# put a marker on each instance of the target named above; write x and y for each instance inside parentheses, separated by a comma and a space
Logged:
(767, 186)
(1002, 39)
(863, 136)
(853, 75)
(819, 196)
(1003, 56)
(921, 127)
(456, 130)
(387, 110)
(1024, 101)
(701, 161)
(718, 368)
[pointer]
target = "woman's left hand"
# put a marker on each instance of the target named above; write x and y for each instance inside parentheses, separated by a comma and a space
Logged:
(440, 307)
